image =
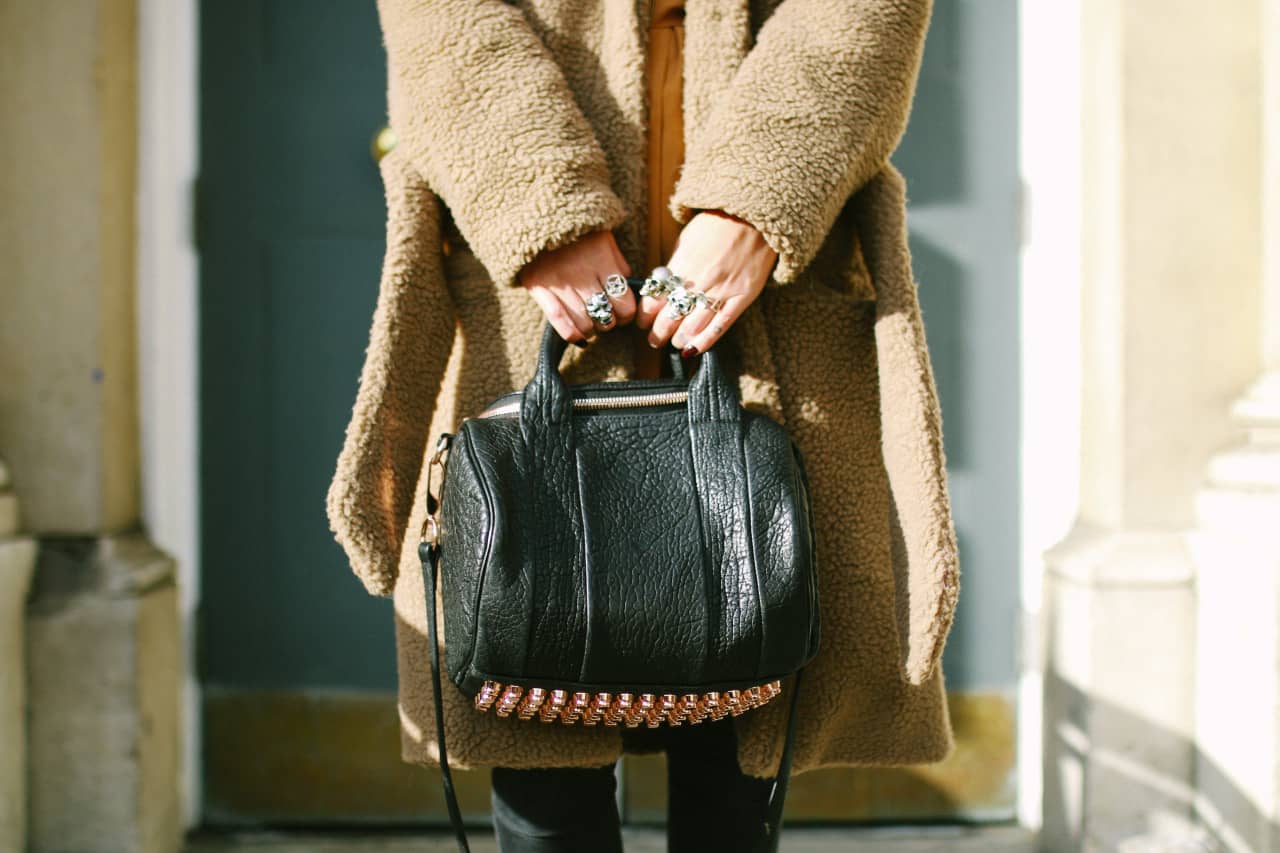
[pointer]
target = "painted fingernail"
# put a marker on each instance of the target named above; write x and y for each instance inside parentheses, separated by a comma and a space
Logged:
(689, 351)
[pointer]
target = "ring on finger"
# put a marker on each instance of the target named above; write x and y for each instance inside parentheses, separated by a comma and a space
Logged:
(682, 300)
(616, 285)
(600, 308)
(661, 282)
(710, 303)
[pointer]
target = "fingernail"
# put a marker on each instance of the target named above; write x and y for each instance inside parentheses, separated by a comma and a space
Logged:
(689, 351)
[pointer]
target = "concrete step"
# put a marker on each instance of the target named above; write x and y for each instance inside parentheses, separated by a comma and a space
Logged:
(896, 839)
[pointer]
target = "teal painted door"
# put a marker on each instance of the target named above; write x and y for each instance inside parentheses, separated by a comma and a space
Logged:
(291, 240)
(296, 662)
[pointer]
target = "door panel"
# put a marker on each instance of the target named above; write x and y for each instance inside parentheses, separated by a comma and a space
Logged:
(297, 662)
(291, 240)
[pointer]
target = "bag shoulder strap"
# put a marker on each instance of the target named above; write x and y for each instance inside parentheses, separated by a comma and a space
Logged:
(430, 556)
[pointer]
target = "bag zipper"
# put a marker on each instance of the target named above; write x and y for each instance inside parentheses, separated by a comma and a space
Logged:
(591, 404)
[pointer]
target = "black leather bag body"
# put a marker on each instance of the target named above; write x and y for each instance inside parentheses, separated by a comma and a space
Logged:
(621, 553)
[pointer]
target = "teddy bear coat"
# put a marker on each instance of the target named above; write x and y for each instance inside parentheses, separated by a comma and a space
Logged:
(521, 126)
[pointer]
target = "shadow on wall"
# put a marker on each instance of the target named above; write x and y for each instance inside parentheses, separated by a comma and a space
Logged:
(1111, 774)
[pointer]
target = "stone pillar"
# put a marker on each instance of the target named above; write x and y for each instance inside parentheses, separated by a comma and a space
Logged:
(104, 670)
(1169, 315)
(68, 94)
(103, 635)
(17, 559)
(1237, 548)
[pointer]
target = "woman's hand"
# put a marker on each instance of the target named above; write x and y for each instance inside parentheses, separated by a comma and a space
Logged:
(722, 256)
(560, 280)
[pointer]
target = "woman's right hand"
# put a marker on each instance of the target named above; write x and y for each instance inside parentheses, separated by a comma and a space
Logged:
(560, 281)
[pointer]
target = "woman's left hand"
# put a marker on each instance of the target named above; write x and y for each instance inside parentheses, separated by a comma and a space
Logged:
(722, 256)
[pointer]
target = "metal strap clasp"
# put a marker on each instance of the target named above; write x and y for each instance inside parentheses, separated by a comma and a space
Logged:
(431, 524)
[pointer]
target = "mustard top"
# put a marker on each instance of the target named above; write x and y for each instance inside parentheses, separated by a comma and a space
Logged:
(666, 128)
(664, 73)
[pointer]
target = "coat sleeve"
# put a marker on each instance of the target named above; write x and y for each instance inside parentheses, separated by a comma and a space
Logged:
(487, 117)
(813, 112)
(371, 494)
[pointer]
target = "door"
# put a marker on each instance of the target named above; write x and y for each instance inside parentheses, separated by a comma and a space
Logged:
(297, 663)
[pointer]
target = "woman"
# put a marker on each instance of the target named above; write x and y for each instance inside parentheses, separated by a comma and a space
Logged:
(527, 171)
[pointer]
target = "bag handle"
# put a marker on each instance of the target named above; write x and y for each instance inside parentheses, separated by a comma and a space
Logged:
(548, 400)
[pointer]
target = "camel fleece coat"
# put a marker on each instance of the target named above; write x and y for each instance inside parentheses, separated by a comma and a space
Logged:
(522, 126)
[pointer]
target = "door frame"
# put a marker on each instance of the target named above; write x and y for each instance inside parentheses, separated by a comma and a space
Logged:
(167, 326)
(167, 270)
(1050, 144)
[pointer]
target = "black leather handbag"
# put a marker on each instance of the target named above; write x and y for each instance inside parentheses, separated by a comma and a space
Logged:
(620, 553)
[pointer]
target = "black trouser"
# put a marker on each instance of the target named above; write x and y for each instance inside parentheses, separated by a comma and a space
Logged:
(711, 804)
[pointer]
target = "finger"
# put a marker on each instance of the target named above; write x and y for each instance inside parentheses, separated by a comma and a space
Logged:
(718, 323)
(557, 315)
(584, 293)
(624, 306)
(694, 323)
(575, 306)
(664, 326)
(647, 311)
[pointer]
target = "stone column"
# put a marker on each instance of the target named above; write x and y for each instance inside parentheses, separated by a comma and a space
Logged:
(1237, 550)
(103, 704)
(67, 186)
(1170, 305)
(17, 559)
(103, 671)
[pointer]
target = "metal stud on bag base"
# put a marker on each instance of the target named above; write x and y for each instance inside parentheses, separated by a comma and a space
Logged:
(629, 709)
